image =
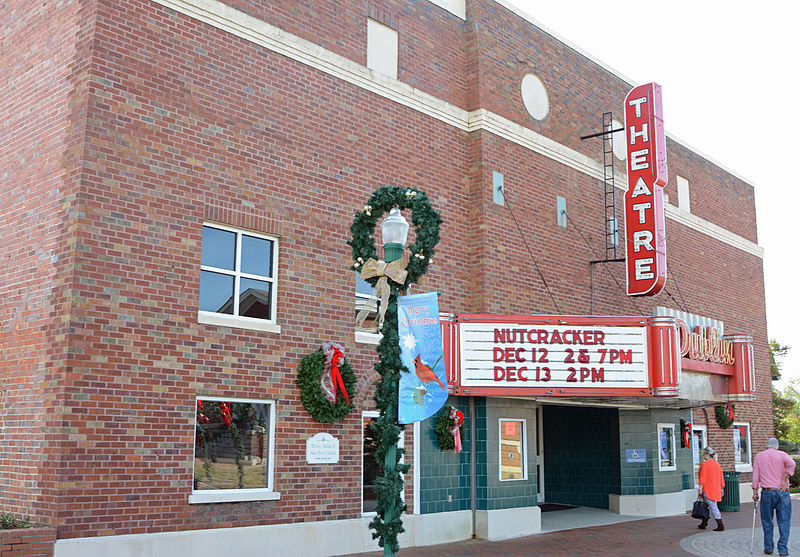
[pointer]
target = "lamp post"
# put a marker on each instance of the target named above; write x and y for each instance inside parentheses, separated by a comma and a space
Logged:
(394, 232)
(388, 277)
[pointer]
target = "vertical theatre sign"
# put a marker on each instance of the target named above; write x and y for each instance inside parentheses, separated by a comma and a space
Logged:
(646, 246)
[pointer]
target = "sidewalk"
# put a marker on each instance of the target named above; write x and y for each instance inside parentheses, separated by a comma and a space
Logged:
(675, 536)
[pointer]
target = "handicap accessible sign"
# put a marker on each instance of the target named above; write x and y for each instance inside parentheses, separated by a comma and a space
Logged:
(635, 455)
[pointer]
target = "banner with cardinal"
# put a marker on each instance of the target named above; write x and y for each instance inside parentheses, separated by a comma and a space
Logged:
(423, 391)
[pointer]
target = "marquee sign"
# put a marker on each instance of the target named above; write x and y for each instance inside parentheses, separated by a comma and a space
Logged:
(536, 355)
(513, 355)
(587, 356)
(646, 247)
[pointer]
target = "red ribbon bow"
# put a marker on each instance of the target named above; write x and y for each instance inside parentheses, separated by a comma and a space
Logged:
(336, 375)
(456, 419)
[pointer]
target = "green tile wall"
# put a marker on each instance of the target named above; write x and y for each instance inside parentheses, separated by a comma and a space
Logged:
(581, 455)
(492, 493)
(638, 430)
(444, 473)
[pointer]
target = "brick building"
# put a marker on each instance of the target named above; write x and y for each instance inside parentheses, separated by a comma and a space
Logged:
(143, 140)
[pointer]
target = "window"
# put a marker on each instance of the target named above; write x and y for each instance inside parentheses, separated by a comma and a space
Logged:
(683, 194)
(666, 447)
(742, 455)
(513, 450)
(237, 279)
(367, 302)
(371, 468)
(382, 48)
(233, 450)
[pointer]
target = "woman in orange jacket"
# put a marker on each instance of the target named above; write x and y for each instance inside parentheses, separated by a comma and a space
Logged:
(711, 484)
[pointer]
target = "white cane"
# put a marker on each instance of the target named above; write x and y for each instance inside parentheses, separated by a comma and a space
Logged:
(753, 537)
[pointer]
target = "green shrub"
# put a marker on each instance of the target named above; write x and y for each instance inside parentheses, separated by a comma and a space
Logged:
(8, 522)
(794, 479)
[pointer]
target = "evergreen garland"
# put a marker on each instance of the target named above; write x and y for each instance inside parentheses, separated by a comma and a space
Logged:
(442, 430)
(387, 524)
(721, 413)
(426, 223)
(314, 398)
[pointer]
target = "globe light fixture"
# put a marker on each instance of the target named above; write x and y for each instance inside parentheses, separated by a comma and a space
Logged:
(394, 233)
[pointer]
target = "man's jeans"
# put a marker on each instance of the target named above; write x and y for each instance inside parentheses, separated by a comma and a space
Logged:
(779, 503)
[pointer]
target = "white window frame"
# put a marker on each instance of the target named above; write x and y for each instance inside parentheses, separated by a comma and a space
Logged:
(200, 496)
(361, 300)
(704, 443)
(239, 321)
(382, 48)
(523, 449)
(744, 466)
(400, 445)
(674, 455)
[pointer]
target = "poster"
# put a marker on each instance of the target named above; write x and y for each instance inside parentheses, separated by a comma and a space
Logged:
(423, 390)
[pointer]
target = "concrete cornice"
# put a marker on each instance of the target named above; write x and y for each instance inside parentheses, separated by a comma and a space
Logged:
(223, 17)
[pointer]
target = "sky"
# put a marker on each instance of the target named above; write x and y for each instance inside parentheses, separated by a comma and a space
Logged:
(730, 79)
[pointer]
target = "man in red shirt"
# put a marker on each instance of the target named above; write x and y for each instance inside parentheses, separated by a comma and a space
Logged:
(771, 471)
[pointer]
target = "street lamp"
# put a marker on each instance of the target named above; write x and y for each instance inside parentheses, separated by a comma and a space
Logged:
(394, 232)
(389, 277)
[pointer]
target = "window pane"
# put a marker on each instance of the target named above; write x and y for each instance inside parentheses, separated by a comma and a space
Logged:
(372, 468)
(227, 435)
(511, 464)
(362, 286)
(254, 298)
(216, 292)
(666, 450)
(741, 449)
(219, 248)
(256, 256)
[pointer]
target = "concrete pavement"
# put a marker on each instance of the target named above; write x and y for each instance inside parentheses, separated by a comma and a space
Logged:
(675, 536)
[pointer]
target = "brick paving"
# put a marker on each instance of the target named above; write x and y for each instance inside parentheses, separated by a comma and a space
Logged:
(675, 536)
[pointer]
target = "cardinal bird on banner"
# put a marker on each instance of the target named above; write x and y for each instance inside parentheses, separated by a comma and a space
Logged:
(423, 390)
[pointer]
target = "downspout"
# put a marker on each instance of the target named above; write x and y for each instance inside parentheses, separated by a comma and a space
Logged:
(473, 489)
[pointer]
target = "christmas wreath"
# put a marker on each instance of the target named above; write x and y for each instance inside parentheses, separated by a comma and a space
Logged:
(426, 223)
(322, 377)
(448, 422)
(724, 415)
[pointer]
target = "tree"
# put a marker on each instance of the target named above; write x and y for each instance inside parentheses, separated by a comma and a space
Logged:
(783, 408)
(776, 352)
(786, 403)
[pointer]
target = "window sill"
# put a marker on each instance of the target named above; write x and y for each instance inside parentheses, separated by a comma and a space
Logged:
(744, 467)
(223, 320)
(368, 338)
(232, 496)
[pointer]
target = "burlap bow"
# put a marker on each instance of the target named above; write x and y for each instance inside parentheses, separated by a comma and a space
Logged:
(396, 270)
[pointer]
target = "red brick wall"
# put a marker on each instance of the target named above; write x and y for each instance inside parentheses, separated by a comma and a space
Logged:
(42, 68)
(27, 542)
(185, 123)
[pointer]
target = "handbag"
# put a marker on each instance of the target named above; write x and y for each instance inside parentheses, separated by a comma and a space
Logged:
(700, 509)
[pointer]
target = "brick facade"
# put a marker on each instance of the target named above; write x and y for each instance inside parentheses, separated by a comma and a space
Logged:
(27, 542)
(132, 124)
